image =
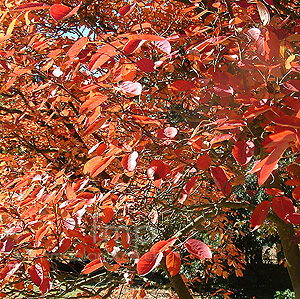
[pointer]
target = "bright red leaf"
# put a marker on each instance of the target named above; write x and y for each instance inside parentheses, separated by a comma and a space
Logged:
(221, 180)
(259, 214)
(148, 262)
(59, 11)
(92, 266)
(243, 152)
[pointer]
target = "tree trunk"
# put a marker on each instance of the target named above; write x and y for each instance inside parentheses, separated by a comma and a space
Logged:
(177, 283)
(291, 253)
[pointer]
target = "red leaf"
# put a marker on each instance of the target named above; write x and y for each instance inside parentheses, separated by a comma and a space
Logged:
(126, 240)
(158, 246)
(36, 274)
(203, 162)
(148, 262)
(293, 218)
(167, 133)
(221, 180)
(132, 46)
(129, 161)
(164, 248)
(7, 246)
(243, 152)
(272, 46)
(131, 88)
(107, 215)
(182, 85)
(76, 48)
(157, 170)
(10, 268)
(64, 245)
(126, 10)
(259, 214)
(199, 249)
(173, 263)
(187, 189)
(32, 6)
(292, 85)
(285, 135)
(271, 161)
(46, 285)
(92, 266)
(59, 11)
(220, 138)
(288, 121)
(283, 206)
(296, 193)
(146, 65)
(223, 91)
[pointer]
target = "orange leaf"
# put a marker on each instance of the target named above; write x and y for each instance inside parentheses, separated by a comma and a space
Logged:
(126, 240)
(76, 48)
(173, 262)
(92, 103)
(95, 126)
(92, 266)
(107, 215)
(147, 37)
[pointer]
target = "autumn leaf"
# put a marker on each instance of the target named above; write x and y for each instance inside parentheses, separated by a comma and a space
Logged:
(31, 6)
(243, 152)
(148, 262)
(173, 263)
(59, 11)
(146, 65)
(283, 206)
(197, 248)
(263, 13)
(92, 266)
(129, 161)
(271, 161)
(221, 180)
(126, 9)
(259, 214)
(126, 240)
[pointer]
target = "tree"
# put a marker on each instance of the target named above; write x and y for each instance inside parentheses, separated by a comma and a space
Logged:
(125, 122)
